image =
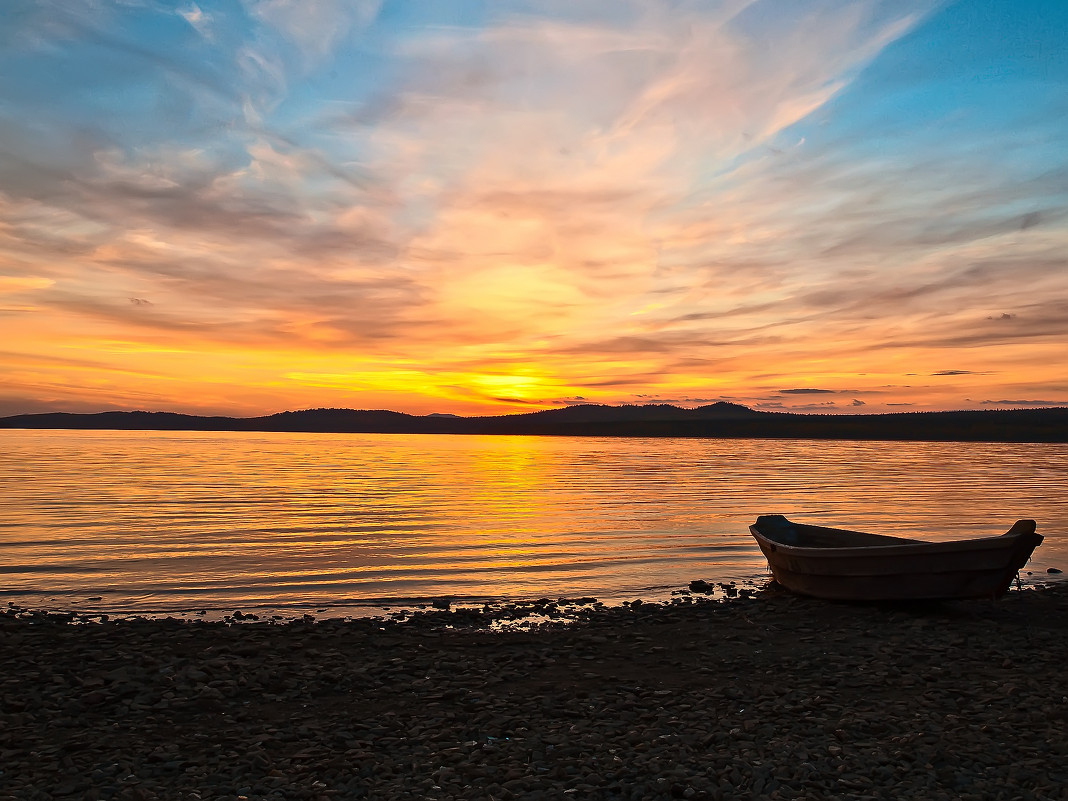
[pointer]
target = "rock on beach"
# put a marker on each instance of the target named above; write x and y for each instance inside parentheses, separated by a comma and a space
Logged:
(771, 696)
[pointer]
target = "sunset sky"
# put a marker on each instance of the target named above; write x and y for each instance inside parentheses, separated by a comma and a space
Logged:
(490, 207)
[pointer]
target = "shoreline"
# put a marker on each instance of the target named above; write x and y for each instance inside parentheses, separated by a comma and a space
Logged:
(769, 696)
(399, 609)
(393, 608)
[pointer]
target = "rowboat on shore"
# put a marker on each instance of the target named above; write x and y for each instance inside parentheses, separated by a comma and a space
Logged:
(843, 565)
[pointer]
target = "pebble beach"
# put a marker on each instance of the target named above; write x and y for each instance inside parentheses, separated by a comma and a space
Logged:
(762, 696)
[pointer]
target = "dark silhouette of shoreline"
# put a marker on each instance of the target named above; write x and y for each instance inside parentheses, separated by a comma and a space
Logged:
(727, 420)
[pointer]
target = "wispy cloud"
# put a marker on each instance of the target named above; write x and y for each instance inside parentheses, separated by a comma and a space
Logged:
(315, 27)
(1025, 403)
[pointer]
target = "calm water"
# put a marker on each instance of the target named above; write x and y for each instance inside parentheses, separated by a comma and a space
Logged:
(150, 521)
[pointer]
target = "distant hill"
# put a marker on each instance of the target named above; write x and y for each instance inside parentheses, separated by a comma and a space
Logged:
(653, 420)
(592, 413)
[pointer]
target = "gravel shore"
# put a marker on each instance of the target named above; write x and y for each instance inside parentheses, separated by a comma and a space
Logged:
(770, 696)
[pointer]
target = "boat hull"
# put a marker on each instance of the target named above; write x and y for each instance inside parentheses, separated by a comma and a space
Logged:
(837, 564)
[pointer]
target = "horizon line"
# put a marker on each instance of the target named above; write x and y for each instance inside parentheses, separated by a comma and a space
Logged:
(449, 415)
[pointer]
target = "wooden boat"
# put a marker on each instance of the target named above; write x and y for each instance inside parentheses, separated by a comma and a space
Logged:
(847, 565)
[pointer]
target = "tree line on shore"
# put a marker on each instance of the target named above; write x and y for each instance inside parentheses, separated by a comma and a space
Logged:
(722, 419)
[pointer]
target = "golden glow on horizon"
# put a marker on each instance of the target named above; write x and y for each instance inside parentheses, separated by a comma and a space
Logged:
(187, 372)
(115, 361)
(127, 374)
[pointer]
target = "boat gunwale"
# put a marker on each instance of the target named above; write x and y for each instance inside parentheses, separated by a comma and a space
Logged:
(905, 546)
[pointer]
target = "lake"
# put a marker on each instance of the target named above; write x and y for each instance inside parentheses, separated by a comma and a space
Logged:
(153, 522)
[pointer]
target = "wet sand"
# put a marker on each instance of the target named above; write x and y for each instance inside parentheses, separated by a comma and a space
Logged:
(766, 697)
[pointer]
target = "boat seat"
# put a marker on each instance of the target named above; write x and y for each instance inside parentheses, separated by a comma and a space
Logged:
(779, 529)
